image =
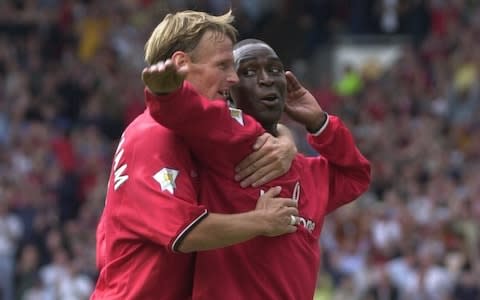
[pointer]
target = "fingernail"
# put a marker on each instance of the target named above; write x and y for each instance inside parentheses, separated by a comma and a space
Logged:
(243, 184)
(237, 177)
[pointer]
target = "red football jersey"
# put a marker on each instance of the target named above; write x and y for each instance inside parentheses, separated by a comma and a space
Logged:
(150, 205)
(283, 267)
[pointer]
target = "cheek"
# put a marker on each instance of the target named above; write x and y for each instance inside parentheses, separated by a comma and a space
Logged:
(247, 96)
(283, 93)
(214, 78)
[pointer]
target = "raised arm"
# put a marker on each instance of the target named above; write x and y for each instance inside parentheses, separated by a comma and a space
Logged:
(207, 126)
(349, 170)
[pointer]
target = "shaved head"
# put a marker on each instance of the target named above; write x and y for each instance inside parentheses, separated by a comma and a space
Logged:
(244, 46)
(261, 89)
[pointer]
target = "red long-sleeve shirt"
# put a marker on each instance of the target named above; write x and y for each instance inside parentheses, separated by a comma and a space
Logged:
(283, 267)
(151, 203)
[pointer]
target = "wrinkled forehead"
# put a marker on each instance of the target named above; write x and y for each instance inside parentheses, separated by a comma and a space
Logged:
(251, 50)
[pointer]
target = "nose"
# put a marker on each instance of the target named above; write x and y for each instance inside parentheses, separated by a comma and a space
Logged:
(232, 77)
(264, 78)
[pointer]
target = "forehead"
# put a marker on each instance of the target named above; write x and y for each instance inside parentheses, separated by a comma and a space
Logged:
(214, 44)
(252, 51)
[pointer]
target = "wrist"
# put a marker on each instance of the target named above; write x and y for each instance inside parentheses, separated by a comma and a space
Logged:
(256, 222)
(165, 91)
(155, 93)
(318, 124)
(264, 223)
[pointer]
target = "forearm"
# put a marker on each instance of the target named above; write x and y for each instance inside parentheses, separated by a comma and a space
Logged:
(205, 125)
(336, 144)
(161, 108)
(221, 230)
(349, 170)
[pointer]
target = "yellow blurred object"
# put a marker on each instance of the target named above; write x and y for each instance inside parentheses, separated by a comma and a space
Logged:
(464, 77)
(324, 288)
(322, 294)
(92, 32)
(350, 84)
(372, 69)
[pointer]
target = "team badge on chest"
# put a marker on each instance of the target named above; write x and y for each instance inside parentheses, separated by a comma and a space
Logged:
(237, 115)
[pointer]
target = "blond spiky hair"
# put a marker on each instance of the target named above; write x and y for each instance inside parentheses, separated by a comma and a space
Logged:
(182, 31)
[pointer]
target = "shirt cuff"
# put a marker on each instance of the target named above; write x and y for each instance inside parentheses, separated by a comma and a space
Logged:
(186, 230)
(323, 126)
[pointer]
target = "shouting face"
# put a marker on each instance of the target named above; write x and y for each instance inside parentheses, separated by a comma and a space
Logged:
(211, 66)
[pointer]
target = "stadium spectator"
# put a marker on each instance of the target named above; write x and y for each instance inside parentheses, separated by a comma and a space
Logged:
(416, 150)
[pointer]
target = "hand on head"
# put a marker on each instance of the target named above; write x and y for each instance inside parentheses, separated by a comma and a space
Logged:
(295, 90)
(300, 104)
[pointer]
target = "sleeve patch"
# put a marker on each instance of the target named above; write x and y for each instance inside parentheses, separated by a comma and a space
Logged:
(166, 178)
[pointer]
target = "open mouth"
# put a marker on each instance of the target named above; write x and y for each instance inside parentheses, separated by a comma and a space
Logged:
(270, 100)
(223, 94)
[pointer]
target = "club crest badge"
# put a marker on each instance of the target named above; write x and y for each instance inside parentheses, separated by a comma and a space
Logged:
(166, 178)
(237, 115)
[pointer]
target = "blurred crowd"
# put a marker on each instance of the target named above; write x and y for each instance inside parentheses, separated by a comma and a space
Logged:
(70, 82)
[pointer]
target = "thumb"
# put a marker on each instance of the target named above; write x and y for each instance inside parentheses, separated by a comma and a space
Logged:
(183, 70)
(292, 81)
(144, 74)
(261, 140)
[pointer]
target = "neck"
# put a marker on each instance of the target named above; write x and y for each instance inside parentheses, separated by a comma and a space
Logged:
(271, 128)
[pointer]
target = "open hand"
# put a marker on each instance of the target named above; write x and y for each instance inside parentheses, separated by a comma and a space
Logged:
(271, 158)
(164, 77)
(277, 213)
(300, 104)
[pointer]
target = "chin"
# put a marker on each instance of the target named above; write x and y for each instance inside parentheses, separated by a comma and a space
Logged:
(271, 120)
(275, 118)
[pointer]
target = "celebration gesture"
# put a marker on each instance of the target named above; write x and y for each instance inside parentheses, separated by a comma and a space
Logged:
(164, 77)
(301, 106)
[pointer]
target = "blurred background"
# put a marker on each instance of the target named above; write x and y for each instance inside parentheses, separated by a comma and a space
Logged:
(402, 74)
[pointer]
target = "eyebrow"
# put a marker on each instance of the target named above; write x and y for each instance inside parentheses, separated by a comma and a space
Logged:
(251, 58)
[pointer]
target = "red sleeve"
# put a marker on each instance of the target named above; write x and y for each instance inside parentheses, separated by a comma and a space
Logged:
(100, 244)
(143, 206)
(218, 135)
(349, 170)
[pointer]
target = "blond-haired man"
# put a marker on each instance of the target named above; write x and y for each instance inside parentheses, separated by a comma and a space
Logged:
(151, 219)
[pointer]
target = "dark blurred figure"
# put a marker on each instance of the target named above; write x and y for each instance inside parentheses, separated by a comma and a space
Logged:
(467, 286)
(382, 288)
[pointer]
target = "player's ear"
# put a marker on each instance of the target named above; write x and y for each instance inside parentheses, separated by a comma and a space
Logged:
(180, 58)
